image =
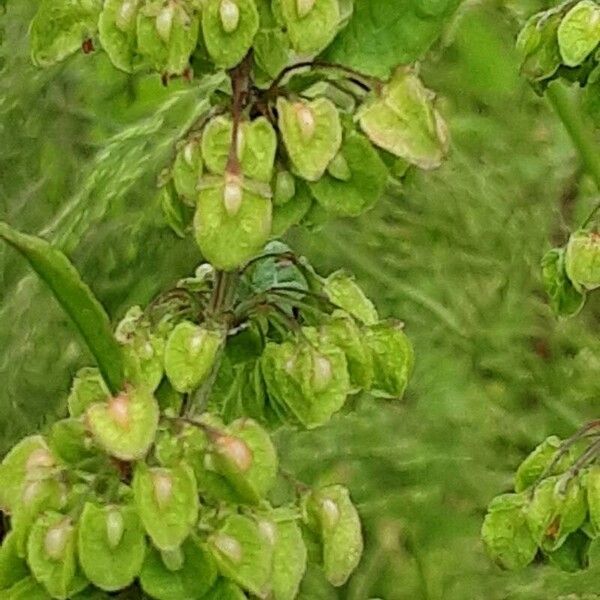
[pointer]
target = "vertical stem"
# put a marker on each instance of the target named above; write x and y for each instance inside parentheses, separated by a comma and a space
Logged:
(579, 131)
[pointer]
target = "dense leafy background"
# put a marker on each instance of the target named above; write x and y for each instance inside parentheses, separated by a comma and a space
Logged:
(455, 255)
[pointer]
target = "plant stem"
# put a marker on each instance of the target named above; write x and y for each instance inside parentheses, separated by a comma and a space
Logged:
(579, 132)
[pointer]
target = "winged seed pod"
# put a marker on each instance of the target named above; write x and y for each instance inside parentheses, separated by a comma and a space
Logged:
(311, 24)
(582, 260)
(579, 32)
(187, 170)
(242, 554)
(229, 27)
(565, 300)
(230, 240)
(125, 426)
(118, 33)
(52, 558)
(167, 503)
(111, 545)
(344, 292)
(289, 560)
(402, 119)
(592, 482)
(312, 134)
(194, 576)
(505, 533)
(190, 355)
(88, 387)
(332, 514)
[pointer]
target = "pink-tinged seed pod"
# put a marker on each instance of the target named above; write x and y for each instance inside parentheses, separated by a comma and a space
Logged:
(230, 15)
(303, 7)
(306, 121)
(56, 539)
(40, 459)
(330, 513)
(115, 527)
(163, 488)
(232, 194)
(235, 450)
(125, 17)
(321, 372)
(164, 22)
(228, 546)
(118, 409)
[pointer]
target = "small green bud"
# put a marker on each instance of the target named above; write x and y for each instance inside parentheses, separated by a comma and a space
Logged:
(230, 15)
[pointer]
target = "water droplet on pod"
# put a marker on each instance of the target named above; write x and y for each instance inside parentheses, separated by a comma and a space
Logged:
(230, 15)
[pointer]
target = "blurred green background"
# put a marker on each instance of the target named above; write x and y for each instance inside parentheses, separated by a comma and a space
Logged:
(455, 255)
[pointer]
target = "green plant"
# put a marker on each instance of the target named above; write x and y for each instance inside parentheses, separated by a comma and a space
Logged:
(164, 480)
(553, 510)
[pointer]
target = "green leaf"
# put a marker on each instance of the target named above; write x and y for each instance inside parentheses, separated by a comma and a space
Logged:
(75, 297)
(341, 288)
(60, 27)
(579, 32)
(384, 34)
(111, 545)
(535, 464)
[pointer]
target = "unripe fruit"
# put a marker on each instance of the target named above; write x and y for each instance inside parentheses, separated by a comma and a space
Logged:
(118, 409)
(115, 527)
(164, 22)
(126, 15)
(235, 450)
(163, 488)
(232, 195)
(230, 15)
(306, 121)
(228, 546)
(56, 540)
(304, 7)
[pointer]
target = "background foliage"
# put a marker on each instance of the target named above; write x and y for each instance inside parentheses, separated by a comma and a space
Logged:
(454, 253)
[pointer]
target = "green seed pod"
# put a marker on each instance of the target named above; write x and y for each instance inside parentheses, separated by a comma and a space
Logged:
(404, 121)
(355, 181)
(289, 561)
(292, 212)
(190, 355)
(16, 466)
(187, 170)
(505, 532)
(111, 545)
(343, 291)
(246, 457)
(538, 47)
(51, 555)
(284, 188)
(88, 387)
(565, 299)
(70, 442)
(306, 384)
(532, 468)
(36, 498)
(167, 503)
(60, 27)
(332, 514)
(225, 590)
(125, 426)
(572, 555)
(216, 141)
(229, 238)
(242, 554)
(144, 359)
(579, 32)
(393, 359)
(553, 514)
(167, 35)
(118, 33)
(271, 51)
(229, 27)
(582, 260)
(312, 134)
(13, 568)
(342, 331)
(311, 24)
(593, 496)
(194, 576)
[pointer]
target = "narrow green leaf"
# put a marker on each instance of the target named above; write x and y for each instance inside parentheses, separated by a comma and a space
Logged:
(75, 297)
